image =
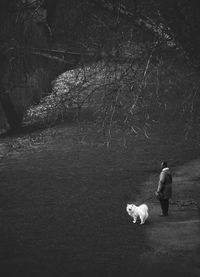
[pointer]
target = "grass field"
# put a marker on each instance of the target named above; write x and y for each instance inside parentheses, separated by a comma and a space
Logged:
(63, 199)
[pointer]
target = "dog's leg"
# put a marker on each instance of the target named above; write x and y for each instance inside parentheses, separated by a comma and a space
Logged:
(142, 220)
(134, 219)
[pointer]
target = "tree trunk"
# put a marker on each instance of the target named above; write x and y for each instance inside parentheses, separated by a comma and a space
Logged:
(10, 111)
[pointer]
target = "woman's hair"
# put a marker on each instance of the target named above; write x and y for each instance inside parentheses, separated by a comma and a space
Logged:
(164, 164)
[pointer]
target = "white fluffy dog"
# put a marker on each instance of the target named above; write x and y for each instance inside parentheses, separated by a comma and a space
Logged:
(138, 211)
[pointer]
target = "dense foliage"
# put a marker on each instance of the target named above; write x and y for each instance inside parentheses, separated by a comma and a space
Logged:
(135, 59)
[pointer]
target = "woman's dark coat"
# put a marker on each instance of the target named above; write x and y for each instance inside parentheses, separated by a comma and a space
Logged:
(165, 184)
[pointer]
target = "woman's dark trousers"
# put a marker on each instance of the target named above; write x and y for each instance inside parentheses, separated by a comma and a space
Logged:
(164, 206)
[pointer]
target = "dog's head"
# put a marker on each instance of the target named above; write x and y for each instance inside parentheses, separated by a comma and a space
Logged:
(130, 208)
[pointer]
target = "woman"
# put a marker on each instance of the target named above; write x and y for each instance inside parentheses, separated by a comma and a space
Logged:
(164, 190)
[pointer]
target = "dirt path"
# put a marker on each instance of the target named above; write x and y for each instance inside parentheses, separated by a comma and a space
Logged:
(174, 241)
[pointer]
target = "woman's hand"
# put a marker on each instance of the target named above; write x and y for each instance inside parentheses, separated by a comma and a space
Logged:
(158, 195)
